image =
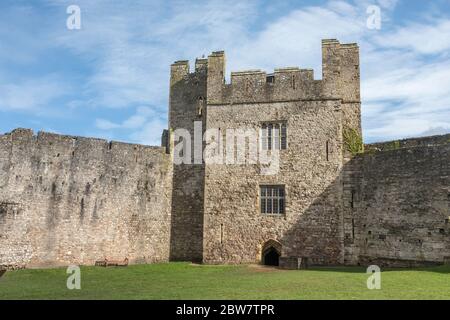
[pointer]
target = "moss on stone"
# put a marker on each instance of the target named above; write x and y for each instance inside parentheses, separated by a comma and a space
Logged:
(394, 145)
(353, 141)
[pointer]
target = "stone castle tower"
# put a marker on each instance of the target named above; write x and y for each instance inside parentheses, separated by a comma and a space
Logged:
(216, 210)
(319, 199)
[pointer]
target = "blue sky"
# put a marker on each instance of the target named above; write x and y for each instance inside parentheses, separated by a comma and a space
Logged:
(110, 79)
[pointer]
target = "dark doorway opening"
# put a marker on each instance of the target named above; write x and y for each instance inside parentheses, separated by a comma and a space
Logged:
(271, 257)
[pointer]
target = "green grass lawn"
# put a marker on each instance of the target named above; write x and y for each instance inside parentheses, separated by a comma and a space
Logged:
(187, 281)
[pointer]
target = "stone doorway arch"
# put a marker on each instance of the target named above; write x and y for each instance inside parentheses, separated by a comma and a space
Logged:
(270, 253)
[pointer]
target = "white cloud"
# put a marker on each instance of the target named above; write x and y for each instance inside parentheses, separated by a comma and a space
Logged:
(150, 133)
(435, 131)
(132, 46)
(31, 95)
(129, 47)
(135, 121)
(106, 124)
(388, 4)
(138, 120)
(397, 87)
(421, 38)
(405, 90)
(145, 126)
(429, 83)
(406, 127)
(296, 38)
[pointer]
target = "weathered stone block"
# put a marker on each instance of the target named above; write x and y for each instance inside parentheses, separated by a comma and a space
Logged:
(293, 263)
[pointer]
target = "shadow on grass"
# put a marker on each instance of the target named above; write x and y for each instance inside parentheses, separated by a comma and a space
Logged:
(444, 269)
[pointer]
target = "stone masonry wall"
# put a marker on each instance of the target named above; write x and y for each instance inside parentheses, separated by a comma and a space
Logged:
(234, 228)
(71, 200)
(316, 112)
(397, 204)
(187, 105)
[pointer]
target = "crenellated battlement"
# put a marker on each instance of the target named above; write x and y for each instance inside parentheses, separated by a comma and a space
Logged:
(284, 84)
(340, 79)
(66, 146)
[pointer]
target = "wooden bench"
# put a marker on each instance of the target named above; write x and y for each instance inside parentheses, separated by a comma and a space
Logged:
(112, 263)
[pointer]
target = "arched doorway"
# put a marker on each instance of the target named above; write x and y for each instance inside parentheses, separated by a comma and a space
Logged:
(271, 253)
